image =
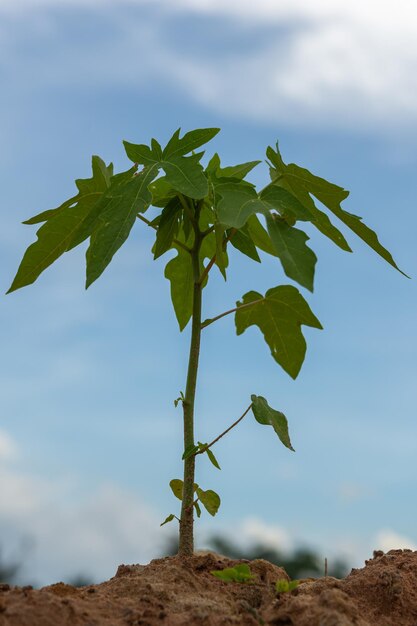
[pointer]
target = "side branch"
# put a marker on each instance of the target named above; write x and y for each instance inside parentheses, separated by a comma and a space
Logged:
(178, 243)
(205, 448)
(242, 306)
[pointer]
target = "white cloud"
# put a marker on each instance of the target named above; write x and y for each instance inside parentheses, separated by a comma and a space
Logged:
(8, 450)
(345, 64)
(66, 536)
(387, 539)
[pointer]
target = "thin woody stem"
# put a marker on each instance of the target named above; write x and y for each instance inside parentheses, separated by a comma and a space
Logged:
(205, 448)
(242, 306)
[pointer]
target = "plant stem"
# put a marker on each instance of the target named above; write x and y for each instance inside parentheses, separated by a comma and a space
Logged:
(203, 450)
(186, 540)
(218, 317)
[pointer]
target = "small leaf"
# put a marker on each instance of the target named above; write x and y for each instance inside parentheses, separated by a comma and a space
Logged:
(264, 414)
(221, 257)
(279, 315)
(168, 519)
(238, 574)
(167, 227)
(281, 586)
(179, 272)
(197, 509)
(209, 499)
(176, 487)
(212, 458)
(189, 451)
(285, 586)
(203, 448)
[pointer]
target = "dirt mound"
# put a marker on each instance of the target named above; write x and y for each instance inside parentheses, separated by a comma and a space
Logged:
(182, 592)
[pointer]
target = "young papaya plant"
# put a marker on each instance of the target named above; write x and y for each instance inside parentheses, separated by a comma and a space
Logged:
(201, 212)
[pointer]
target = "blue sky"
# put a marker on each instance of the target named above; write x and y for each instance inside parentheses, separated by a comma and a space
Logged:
(89, 437)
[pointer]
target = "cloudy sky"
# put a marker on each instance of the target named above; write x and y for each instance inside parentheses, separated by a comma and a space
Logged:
(89, 436)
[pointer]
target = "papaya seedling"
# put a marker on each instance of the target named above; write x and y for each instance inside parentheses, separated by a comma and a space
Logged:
(285, 586)
(203, 212)
(238, 574)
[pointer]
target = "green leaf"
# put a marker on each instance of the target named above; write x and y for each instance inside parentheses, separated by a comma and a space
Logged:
(279, 315)
(259, 236)
(191, 141)
(221, 257)
(64, 227)
(298, 260)
(179, 272)
(264, 414)
(189, 451)
(186, 175)
(167, 227)
(242, 241)
(238, 574)
(121, 204)
(238, 201)
(213, 458)
(237, 171)
(197, 509)
(139, 153)
(303, 184)
(203, 448)
(176, 487)
(168, 519)
(284, 586)
(209, 499)
(162, 192)
(285, 203)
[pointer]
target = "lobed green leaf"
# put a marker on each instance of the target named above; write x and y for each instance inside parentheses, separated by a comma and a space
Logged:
(65, 227)
(279, 315)
(120, 206)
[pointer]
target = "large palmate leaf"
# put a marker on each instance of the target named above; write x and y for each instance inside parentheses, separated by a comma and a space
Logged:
(268, 416)
(279, 315)
(65, 227)
(184, 174)
(239, 202)
(303, 184)
(119, 208)
(298, 260)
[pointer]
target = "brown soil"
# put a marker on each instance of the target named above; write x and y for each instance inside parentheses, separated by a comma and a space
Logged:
(176, 592)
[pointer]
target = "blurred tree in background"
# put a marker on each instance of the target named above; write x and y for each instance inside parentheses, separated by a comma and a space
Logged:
(301, 563)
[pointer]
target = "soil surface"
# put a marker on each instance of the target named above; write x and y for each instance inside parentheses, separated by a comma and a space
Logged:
(178, 592)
